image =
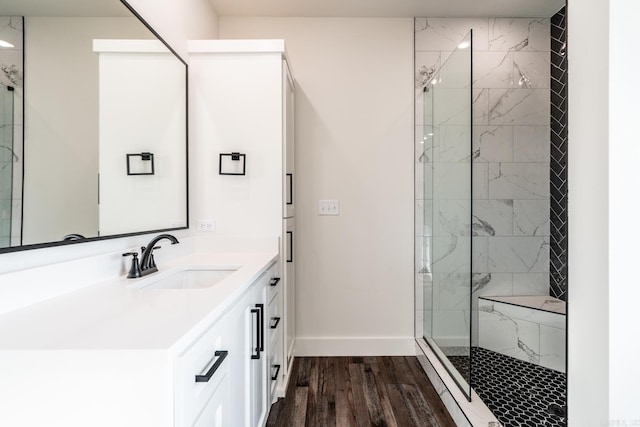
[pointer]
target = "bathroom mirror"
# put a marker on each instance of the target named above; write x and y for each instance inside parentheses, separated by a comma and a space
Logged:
(93, 125)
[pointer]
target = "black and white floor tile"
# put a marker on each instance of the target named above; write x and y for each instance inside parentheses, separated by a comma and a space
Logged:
(517, 392)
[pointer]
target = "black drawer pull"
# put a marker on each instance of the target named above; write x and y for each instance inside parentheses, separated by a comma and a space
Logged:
(221, 355)
(290, 195)
(274, 324)
(290, 235)
(275, 377)
(274, 281)
(261, 329)
(257, 347)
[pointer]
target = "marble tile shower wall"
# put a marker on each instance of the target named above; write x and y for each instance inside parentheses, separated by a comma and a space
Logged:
(510, 150)
(11, 71)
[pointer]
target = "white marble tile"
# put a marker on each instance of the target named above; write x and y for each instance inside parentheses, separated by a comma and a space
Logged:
(523, 308)
(553, 351)
(423, 144)
(451, 291)
(480, 254)
(426, 66)
(519, 107)
(11, 69)
(11, 30)
(531, 217)
(531, 70)
(519, 34)
(491, 284)
(423, 181)
(454, 143)
(531, 143)
(493, 144)
(451, 106)
(503, 334)
(531, 283)
(451, 254)
(518, 254)
(423, 254)
(423, 217)
(451, 327)
(451, 181)
(493, 217)
(518, 180)
(493, 70)
(445, 33)
(480, 106)
(480, 182)
(452, 217)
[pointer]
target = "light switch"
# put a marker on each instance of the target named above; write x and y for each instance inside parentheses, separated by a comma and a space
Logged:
(328, 207)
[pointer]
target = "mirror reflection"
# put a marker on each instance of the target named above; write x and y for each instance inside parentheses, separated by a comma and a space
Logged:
(92, 124)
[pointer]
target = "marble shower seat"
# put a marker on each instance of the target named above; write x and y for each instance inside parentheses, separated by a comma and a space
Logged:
(529, 328)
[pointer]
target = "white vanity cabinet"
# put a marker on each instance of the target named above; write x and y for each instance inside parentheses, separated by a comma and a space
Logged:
(112, 356)
(243, 96)
(237, 394)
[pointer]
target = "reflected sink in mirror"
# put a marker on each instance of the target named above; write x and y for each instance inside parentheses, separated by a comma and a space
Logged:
(186, 278)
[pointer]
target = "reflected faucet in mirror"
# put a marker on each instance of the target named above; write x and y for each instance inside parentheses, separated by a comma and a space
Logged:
(147, 264)
(73, 236)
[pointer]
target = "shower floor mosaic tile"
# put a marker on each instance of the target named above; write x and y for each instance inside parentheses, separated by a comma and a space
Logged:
(517, 392)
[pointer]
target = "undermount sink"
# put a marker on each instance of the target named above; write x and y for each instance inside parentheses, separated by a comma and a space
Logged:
(187, 278)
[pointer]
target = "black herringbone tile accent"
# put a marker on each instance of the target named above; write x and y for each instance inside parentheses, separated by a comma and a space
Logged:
(558, 200)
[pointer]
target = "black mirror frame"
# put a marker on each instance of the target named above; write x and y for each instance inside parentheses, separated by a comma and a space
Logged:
(155, 231)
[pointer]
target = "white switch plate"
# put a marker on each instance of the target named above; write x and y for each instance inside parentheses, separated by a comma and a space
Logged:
(206, 225)
(328, 207)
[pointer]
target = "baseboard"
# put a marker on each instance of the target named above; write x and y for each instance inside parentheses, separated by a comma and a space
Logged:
(355, 346)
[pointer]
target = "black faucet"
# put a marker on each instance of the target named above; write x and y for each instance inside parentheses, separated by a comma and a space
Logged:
(147, 264)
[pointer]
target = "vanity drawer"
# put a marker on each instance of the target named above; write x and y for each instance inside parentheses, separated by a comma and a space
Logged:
(275, 283)
(275, 367)
(276, 319)
(200, 370)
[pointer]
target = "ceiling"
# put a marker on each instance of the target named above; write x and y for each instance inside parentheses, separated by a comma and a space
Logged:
(388, 8)
(63, 8)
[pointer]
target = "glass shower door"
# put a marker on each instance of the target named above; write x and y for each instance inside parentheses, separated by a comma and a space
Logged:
(6, 164)
(447, 135)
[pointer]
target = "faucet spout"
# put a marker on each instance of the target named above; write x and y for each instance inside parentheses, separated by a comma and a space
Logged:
(147, 265)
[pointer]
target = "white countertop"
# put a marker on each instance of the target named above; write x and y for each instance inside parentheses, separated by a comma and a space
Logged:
(113, 316)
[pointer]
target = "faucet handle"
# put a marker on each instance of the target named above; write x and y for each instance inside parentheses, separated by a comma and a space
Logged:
(134, 271)
(152, 261)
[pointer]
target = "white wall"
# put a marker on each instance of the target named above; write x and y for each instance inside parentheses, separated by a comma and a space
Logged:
(179, 20)
(354, 142)
(624, 205)
(588, 302)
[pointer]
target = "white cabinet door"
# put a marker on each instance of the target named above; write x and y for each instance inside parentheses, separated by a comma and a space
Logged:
(218, 412)
(257, 361)
(289, 292)
(289, 141)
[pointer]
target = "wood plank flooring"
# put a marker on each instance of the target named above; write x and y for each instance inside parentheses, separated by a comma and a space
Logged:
(359, 392)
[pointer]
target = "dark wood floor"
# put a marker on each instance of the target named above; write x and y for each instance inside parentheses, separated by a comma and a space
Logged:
(359, 391)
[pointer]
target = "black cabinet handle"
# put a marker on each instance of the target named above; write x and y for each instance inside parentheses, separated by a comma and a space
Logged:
(274, 281)
(221, 355)
(275, 377)
(290, 195)
(274, 325)
(257, 347)
(290, 235)
(261, 329)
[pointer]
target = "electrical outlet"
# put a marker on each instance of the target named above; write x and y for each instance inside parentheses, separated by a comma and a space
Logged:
(206, 225)
(328, 207)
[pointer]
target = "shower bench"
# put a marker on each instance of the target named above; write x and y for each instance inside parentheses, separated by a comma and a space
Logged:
(529, 328)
